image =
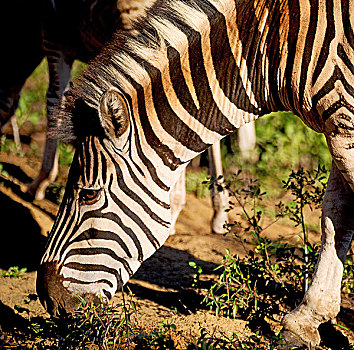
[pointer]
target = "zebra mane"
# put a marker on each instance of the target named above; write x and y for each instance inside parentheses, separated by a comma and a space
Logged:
(146, 44)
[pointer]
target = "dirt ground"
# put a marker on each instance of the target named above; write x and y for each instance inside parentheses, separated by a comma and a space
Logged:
(160, 286)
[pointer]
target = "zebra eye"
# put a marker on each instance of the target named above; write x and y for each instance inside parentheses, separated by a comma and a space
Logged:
(88, 196)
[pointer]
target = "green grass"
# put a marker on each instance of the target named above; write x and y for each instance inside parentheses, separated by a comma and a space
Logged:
(13, 272)
(271, 280)
(77, 68)
(284, 143)
(32, 104)
(194, 183)
(118, 327)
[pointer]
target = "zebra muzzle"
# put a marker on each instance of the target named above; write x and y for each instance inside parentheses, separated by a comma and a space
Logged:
(55, 298)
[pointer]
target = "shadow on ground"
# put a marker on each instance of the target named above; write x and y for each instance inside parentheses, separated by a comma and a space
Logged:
(184, 301)
(52, 194)
(169, 269)
(16, 172)
(21, 239)
(333, 338)
(9, 319)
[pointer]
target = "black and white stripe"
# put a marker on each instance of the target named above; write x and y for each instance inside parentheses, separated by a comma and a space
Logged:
(87, 243)
(192, 72)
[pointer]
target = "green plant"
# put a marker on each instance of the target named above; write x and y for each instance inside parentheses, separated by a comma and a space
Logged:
(32, 104)
(195, 183)
(3, 172)
(307, 188)
(27, 300)
(77, 69)
(247, 195)
(105, 325)
(14, 272)
(55, 192)
(35, 149)
(235, 293)
(6, 145)
(348, 277)
(157, 339)
(283, 142)
(271, 277)
(66, 154)
(196, 277)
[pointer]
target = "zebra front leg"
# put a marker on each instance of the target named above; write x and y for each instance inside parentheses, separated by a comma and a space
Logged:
(246, 135)
(177, 200)
(322, 300)
(59, 74)
(220, 199)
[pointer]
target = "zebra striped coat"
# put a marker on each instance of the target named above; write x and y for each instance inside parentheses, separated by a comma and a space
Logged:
(193, 72)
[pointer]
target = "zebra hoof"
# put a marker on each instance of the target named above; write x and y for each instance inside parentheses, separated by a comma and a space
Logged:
(300, 332)
(37, 190)
(218, 224)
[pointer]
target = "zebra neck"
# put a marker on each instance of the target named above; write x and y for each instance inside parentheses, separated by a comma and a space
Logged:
(192, 72)
(209, 75)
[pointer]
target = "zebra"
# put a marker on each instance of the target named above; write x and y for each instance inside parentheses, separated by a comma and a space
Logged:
(192, 73)
(91, 25)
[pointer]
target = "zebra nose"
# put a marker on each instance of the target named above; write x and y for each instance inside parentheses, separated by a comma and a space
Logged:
(55, 298)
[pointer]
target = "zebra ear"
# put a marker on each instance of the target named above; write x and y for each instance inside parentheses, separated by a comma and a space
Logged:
(114, 113)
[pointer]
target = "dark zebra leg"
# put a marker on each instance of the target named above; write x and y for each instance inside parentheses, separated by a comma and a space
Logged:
(9, 100)
(59, 67)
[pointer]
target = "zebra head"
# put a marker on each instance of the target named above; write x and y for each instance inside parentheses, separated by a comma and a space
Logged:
(109, 220)
(140, 112)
